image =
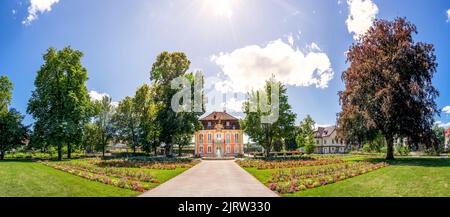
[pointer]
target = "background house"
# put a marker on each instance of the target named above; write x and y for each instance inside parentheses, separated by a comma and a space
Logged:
(327, 141)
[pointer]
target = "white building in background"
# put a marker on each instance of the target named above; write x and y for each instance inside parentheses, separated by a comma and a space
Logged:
(327, 141)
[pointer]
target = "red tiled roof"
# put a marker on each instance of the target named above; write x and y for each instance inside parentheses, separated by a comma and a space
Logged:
(223, 116)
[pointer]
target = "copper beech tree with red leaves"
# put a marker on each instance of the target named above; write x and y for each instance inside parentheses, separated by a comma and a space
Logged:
(388, 86)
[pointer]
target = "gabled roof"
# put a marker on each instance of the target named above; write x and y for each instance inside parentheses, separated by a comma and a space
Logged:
(215, 116)
(325, 131)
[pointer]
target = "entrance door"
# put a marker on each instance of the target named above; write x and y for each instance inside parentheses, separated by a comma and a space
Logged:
(219, 151)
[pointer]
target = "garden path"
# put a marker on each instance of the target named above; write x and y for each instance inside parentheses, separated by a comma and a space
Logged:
(212, 179)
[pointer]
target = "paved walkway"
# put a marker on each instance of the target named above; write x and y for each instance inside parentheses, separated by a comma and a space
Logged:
(212, 179)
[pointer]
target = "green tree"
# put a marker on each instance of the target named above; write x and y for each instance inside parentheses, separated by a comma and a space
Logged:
(305, 135)
(183, 140)
(126, 123)
(103, 122)
(146, 110)
(167, 68)
(389, 83)
(60, 103)
(91, 137)
(262, 132)
(12, 132)
(6, 88)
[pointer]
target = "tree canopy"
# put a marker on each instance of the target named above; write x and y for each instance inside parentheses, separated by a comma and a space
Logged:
(12, 132)
(60, 103)
(388, 86)
(267, 133)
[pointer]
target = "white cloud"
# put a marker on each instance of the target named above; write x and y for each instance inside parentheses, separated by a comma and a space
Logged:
(442, 124)
(448, 15)
(249, 67)
(446, 109)
(233, 105)
(96, 96)
(290, 38)
(38, 7)
(361, 16)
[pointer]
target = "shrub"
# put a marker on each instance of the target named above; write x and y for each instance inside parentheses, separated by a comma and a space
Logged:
(403, 150)
(309, 149)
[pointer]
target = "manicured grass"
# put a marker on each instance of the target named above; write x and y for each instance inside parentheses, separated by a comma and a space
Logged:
(407, 176)
(31, 179)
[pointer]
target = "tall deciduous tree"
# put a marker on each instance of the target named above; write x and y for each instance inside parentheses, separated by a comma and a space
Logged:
(389, 84)
(146, 110)
(60, 103)
(126, 123)
(266, 133)
(12, 131)
(305, 135)
(169, 66)
(5, 93)
(103, 122)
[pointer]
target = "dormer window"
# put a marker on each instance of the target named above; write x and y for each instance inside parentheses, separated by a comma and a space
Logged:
(209, 124)
(227, 123)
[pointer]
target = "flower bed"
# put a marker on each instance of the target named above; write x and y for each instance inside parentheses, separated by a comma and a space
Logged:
(118, 182)
(300, 179)
(146, 163)
(263, 164)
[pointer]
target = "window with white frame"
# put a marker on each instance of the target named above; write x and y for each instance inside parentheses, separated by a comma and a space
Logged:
(200, 139)
(209, 138)
(209, 149)
(227, 123)
(219, 136)
(228, 149)
(228, 138)
(209, 124)
(200, 149)
(236, 138)
(236, 148)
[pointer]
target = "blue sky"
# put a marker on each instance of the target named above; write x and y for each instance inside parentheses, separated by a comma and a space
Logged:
(301, 41)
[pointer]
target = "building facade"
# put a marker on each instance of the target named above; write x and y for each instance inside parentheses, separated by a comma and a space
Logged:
(327, 141)
(221, 136)
(447, 139)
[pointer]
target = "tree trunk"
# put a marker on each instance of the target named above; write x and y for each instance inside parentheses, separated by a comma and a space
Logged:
(390, 148)
(103, 150)
(69, 151)
(59, 153)
(180, 149)
(2, 155)
(134, 149)
(168, 150)
(156, 151)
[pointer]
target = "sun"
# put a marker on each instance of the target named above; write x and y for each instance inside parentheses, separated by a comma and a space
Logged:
(222, 8)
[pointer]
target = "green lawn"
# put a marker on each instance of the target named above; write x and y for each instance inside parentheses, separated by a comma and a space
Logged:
(31, 179)
(417, 177)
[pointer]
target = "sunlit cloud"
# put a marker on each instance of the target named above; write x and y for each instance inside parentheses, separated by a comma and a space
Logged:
(38, 7)
(448, 15)
(446, 109)
(96, 96)
(362, 13)
(250, 67)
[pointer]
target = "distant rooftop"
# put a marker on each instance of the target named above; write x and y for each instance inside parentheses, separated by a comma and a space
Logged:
(216, 116)
(325, 131)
